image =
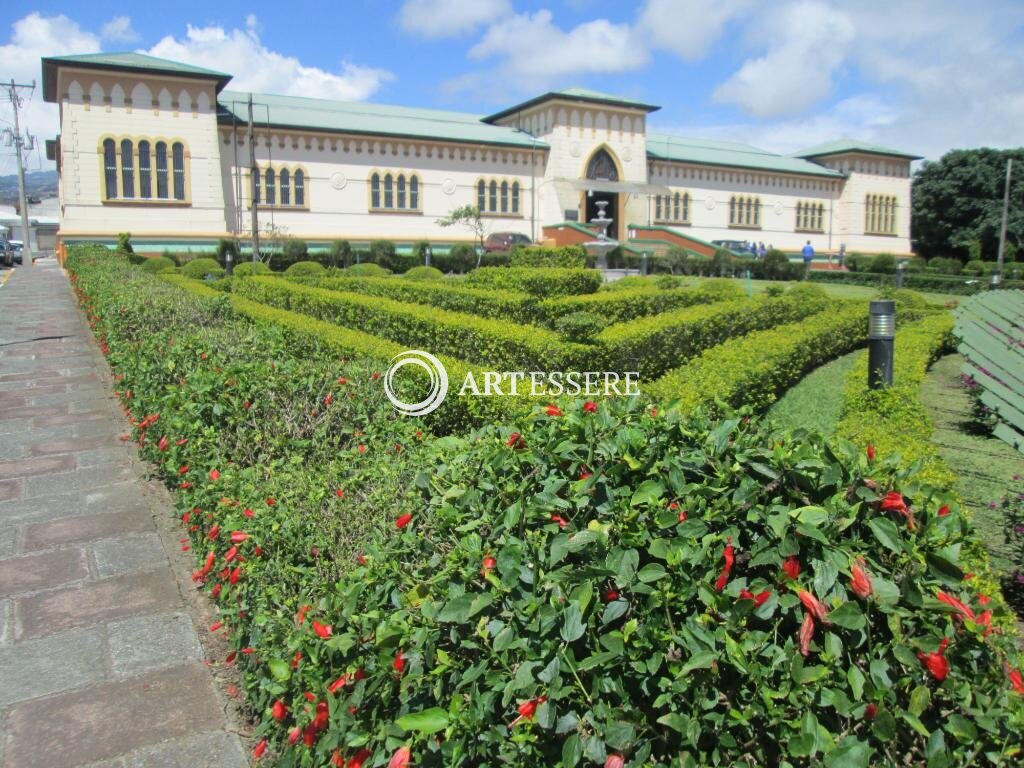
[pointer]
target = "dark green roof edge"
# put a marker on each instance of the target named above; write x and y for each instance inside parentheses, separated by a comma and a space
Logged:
(552, 95)
(825, 172)
(572, 225)
(837, 148)
(93, 61)
(662, 228)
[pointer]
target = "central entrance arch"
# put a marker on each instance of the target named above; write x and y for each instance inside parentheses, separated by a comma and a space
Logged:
(602, 167)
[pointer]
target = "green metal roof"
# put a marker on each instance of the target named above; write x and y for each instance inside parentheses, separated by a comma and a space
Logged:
(128, 62)
(852, 145)
(574, 94)
(352, 117)
(661, 146)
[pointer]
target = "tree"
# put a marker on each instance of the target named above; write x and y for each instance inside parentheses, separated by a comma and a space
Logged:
(957, 202)
(469, 217)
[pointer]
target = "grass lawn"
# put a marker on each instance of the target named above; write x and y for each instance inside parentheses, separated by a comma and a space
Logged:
(814, 403)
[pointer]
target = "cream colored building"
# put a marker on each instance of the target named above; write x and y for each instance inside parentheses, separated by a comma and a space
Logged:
(161, 149)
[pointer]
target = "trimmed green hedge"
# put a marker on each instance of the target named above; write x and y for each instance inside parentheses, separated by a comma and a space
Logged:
(507, 305)
(654, 345)
(964, 286)
(564, 257)
(438, 331)
(540, 282)
(619, 306)
(753, 370)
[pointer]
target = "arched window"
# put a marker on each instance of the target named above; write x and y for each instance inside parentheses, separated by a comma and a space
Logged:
(481, 195)
(675, 207)
(744, 211)
(414, 193)
(161, 171)
(504, 197)
(401, 191)
(375, 191)
(389, 191)
(286, 187)
(127, 169)
(492, 200)
(178, 159)
(657, 208)
(145, 171)
(515, 197)
(601, 166)
(271, 191)
(300, 187)
(686, 207)
(110, 168)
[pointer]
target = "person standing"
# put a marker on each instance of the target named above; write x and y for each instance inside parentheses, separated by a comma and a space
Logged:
(808, 252)
(842, 254)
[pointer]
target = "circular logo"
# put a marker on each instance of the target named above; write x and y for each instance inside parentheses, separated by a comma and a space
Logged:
(779, 209)
(448, 187)
(709, 203)
(574, 149)
(338, 180)
(438, 382)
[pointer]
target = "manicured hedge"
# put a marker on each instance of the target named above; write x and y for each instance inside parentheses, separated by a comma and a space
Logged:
(507, 305)
(753, 370)
(539, 282)
(564, 257)
(438, 331)
(653, 345)
(618, 306)
(917, 281)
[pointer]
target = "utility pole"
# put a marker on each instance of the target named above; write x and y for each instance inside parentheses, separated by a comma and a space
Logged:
(1006, 213)
(26, 243)
(253, 190)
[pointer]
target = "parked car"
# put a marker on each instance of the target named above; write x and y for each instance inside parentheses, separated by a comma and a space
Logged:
(739, 247)
(16, 250)
(499, 242)
(6, 252)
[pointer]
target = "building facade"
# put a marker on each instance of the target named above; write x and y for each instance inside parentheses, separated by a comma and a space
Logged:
(165, 151)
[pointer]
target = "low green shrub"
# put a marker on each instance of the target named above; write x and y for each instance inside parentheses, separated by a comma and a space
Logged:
(202, 268)
(247, 268)
(579, 327)
(539, 282)
(563, 257)
(963, 286)
(224, 248)
(340, 254)
(424, 273)
(158, 264)
(915, 264)
(883, 263)
(473, 338)
(858, 262)
(653, 345)
(367, 269)
(944, 266)
(305, 269)
(461, 258)
(384, 253)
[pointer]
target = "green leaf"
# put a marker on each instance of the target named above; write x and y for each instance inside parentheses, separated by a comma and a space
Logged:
(649, 492)
(887, 533)
(699, 660)
(849, 616)
(427, 721)
(856, 680)
(920, 700)
(616, 609)
(572, 751)
(675, 721)
(550, 672)
(962, 728)
(620, 736)
(572, 624)
(597, 660)
(280, 669)
(651, 572)
(850, 753)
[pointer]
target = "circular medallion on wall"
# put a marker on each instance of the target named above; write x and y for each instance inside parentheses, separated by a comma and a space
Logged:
(338, 180)
(574, 149)
(627, 155)
(709, 203)
(779, 208)
(448, 187)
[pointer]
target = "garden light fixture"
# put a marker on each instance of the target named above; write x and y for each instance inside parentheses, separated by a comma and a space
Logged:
(881, 342)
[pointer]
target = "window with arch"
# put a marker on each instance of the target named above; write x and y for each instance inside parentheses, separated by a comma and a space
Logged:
(279, 186)
(745, 211)
(498, 197)
(130, 165)
(880, 214)
(673, 208)
(395, 191)
(810, 216)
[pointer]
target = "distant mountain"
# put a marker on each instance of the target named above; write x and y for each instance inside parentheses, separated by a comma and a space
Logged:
(39, 184)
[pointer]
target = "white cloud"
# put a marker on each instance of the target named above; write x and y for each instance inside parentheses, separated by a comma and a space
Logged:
(257, 68)
(119, 30)
(535, 50)
(809, 41)
(33, 37)
(449, 18)
(688, 28)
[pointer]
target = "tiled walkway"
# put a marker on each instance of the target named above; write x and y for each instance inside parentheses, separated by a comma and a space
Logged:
(100, 662)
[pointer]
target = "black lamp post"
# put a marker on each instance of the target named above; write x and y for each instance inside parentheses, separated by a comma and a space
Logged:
(881, 342)
(229, 262)
(994, 281)
(900, 268)
(427, 254)
(643, 264)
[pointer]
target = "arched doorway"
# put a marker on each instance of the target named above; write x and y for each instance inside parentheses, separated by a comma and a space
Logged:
(602, 167)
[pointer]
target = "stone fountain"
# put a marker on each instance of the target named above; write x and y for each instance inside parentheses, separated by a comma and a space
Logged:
(603, 244)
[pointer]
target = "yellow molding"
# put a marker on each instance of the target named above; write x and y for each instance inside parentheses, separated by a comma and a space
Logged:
(135, 139)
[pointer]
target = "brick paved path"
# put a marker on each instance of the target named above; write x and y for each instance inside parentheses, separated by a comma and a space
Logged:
(100, 662)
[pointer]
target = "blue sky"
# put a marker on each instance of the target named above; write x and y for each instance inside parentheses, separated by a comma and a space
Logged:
(920, 75)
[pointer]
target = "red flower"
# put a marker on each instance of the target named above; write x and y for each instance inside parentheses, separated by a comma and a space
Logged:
(231, 554)
(339, 492)
(322, 630)
(182, 441)
(362, 448)
(248, 512)
(791, 567)
(984, 599)
(936, 663)
(296, 659)
(162, 445)
(403, 520)
(216, 625)
(814, 606)
(400, 759)
(214, 532)
(871, 452)
(271, 501)
(614, 761)
(328, 399)
(1015, 680)
(528, 709)
(943, 510)
(359, 758)
(279, 710)
(962, 611)
(590, 407)
(584, 474)
(293, 735)
(183, 469)
(562, 522)
(215, 592)
(806, 634)
(338, 684)
(488, 565)
(553, 410)
(894, 502)
(759, 599)
(236, 574)
(399, 662)
(611, 595)
(214, 475)
(237, 537)
(515, 440)
(870, 711)
(260, 749)
(860, 582)
(730, 558)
